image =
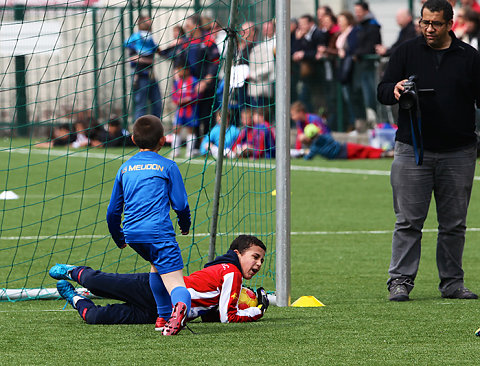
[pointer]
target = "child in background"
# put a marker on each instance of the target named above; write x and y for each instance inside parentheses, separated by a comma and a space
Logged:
(145, 188)
(326, 146)
(185, 97)
(299, 115)
(255, 139)
(210, 141)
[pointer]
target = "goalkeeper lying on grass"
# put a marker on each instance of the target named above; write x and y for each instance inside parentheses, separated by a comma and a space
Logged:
(215, 289)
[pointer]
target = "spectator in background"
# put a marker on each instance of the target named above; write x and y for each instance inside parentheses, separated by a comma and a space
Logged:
(407, 31)
(472, 4)
(368, 36)
(210, 141)
(61, 135)
(240, 70)
(262, 68)
(472, 28)
(327, 53)
(202, 58)
(185, 98)
(346, 44)
(142, 50)
(308, 37)
(115, 135)
(295, 70)
(255, 139)
(459, 24)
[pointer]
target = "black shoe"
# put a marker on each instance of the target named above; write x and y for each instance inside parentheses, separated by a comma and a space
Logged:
(461, 293)
(398, 292)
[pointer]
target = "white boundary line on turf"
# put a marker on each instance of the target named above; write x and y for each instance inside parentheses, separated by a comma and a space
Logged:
(299, 233)
(36, 311)
(95, 155)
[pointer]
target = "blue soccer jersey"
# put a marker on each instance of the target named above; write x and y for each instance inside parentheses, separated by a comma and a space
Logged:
(145, 188)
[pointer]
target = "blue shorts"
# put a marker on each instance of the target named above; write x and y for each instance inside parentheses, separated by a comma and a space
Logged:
(185, 121)
(166, 257)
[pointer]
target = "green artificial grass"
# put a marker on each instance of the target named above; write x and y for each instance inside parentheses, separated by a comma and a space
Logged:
(340, 251)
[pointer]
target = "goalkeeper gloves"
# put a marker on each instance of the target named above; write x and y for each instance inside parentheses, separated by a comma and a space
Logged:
(262, 299)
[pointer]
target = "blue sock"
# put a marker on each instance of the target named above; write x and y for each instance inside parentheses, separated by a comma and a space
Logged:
(162, 298)
(181, 294)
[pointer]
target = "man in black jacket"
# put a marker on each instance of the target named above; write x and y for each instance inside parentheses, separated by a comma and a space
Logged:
(444, 132)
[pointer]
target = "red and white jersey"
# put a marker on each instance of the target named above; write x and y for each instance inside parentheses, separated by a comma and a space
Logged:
(219, 285)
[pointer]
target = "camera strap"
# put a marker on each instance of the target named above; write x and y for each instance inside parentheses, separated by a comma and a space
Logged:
(417, 139)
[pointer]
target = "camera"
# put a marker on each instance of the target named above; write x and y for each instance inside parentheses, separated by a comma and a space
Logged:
(409, 97)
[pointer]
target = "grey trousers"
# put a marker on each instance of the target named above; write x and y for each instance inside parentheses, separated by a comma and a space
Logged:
(450, 177)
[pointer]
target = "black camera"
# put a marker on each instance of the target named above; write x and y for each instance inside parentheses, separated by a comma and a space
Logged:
(409, 97)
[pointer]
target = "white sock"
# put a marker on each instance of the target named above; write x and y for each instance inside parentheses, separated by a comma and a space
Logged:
(177, 141)
(214, 151)
(75, 299)
(190, 141)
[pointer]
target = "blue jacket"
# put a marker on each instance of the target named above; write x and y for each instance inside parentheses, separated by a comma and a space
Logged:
(144, 189)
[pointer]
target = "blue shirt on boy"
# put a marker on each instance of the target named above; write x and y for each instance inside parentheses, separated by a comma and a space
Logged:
(145, 188)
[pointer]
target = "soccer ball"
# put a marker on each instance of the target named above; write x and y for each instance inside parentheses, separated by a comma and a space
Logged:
(247, 299)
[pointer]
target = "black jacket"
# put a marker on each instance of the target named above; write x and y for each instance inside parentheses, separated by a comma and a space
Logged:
(368, 35)
(448, 114)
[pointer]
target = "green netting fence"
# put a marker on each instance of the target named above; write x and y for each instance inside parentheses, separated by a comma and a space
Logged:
(64, 66)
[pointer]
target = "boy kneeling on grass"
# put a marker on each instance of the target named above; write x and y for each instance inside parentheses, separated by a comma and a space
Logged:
(326, 146)
(214, 290)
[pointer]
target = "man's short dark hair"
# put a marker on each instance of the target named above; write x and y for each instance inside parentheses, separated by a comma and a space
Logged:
(244, 242)
(147, 131)
(438, 6)
(308, 17)
(363, 4)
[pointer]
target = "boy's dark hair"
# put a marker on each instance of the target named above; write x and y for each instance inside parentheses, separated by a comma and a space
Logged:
(438, 6)
(363, 4)
(298, 106)
(147, 131)
(196, 19)
(115, 122)
(243, 242)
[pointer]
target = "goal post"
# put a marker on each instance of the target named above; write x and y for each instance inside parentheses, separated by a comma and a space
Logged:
(73, 77)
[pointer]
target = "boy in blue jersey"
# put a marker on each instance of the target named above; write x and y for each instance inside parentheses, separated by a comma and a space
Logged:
(144, 189)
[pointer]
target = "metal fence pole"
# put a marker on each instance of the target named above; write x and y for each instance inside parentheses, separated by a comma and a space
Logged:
(282, 112)
(21, 112)
(221, 142)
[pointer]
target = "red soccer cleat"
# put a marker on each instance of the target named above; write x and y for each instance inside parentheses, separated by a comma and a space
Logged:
(177, 320)
(159, 324)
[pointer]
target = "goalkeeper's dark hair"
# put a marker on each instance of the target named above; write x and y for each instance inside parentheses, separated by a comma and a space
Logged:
(147, 131)
(244, 242)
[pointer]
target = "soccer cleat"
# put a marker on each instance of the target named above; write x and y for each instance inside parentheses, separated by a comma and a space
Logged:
(67, 291)
(61, 271)
(461, 293)
(177, 320)
(160, 324)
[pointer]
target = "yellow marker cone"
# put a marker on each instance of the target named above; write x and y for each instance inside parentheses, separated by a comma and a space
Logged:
(307, 302)
(274, 192)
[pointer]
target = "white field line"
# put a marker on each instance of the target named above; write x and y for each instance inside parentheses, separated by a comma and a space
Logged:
(35, 311)
(296, 233)
(106, 156)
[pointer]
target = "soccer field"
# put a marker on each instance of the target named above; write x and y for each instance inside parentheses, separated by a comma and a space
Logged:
(342, 221)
